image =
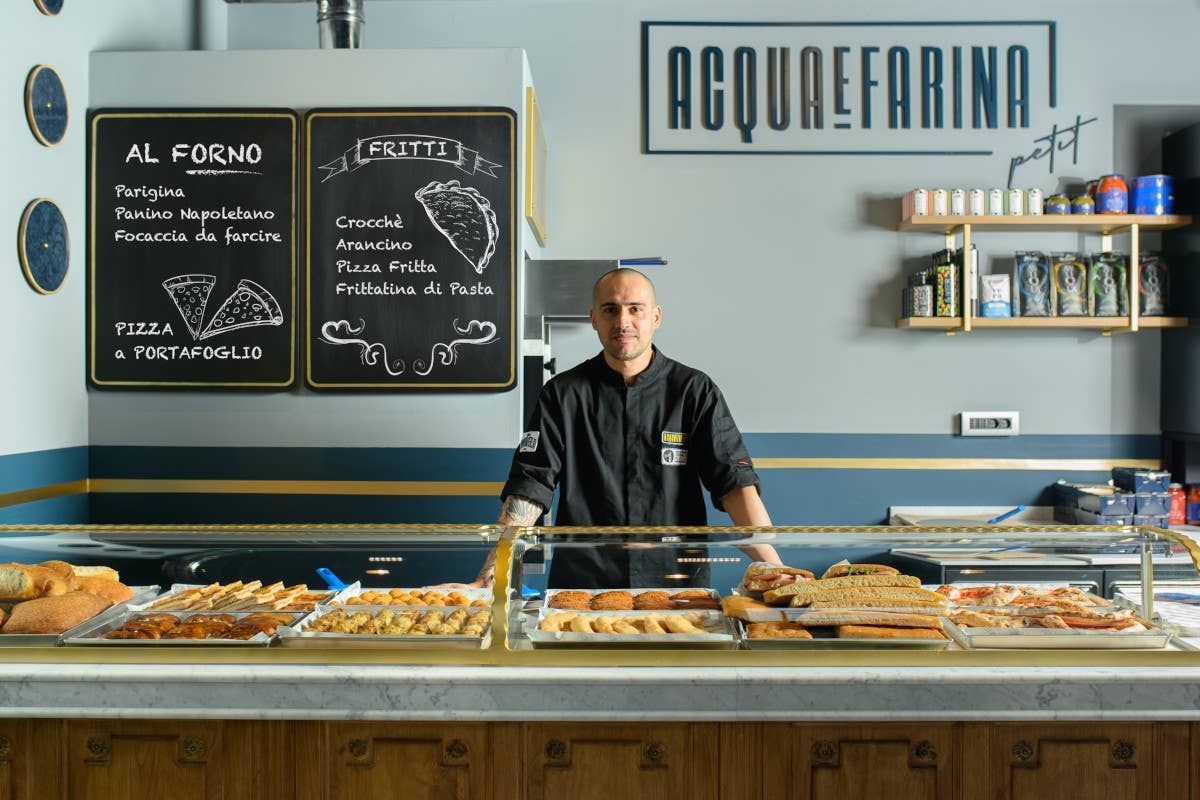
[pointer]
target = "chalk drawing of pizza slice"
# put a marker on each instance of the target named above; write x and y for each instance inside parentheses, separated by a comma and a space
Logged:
(249, 305)
(190, 294)
(464, 217)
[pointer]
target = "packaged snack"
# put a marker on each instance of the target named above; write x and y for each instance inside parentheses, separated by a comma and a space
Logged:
(996, 296)
(1107, 282)
(1032, 287)
(1153, 285)
(1069, 274)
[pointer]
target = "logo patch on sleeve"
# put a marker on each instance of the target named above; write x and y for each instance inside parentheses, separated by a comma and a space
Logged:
(529, 442)
(674, 456)
(673, 438)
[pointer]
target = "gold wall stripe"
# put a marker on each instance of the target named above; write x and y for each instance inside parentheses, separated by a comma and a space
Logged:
(419, 488)
(43, 493)
(1040, 464)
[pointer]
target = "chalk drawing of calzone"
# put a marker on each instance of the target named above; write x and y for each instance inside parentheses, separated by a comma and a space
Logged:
(464, 217)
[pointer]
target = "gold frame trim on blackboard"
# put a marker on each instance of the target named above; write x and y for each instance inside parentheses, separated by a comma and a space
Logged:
(41, 6)
(293, 118)
(512, 248)
(535, 168)
(24, 255)
(29, 116)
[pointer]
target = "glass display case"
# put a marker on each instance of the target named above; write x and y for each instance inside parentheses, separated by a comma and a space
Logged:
(578, 596)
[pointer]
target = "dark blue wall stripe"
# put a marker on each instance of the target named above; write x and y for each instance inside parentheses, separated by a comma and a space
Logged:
(916, 445)
(21, 471)
(152, 509)
(71, 510)
(302, 463)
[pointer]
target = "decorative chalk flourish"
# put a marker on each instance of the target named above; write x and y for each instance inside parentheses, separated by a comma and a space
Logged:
(341, 332)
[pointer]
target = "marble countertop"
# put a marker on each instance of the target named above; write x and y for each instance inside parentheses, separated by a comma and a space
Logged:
(377, 692)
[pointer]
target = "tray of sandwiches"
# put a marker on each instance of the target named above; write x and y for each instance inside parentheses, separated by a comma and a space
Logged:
(386, 626)
(240, 629)
(239, 596)
(1044, 616)
(39, 603)
(849, 606)
(658, 629)
(356, 595)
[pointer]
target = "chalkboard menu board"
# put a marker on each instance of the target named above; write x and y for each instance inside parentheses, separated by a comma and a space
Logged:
(411, 265)
(192, 248)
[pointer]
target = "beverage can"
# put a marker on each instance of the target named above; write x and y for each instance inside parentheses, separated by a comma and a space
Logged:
(1192, 514)
(995, 202)
(977, 202)
(920, 202)
(1015, 202)
(941, 203)
(1033, 202)
(958, 202)
(1178, 508)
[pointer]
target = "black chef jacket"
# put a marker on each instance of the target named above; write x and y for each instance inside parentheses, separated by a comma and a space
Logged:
(638, 454)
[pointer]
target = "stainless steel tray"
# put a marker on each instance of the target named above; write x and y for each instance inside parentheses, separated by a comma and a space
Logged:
(720, 636)
(177, 588)
(296, 636)
(1058, 638)
(350, 592)
(712, 594)
(841, 644)
(89, 634)
(141, 594)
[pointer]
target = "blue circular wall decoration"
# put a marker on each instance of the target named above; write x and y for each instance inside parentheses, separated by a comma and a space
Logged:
(46, 105)
(44, 246)
(49, 7)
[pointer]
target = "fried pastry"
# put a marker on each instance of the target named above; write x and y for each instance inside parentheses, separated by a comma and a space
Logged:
(777, 630)
(581, 624)
(618, 600)
(655, 600)
(572, 599)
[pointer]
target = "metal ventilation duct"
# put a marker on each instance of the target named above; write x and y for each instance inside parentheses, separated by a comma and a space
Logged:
(339, 22)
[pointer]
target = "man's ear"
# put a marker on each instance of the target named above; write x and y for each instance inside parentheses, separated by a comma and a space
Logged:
(657, 316)
(592, 317)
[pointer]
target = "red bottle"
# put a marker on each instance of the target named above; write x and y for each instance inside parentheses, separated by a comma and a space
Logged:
(1178, 505)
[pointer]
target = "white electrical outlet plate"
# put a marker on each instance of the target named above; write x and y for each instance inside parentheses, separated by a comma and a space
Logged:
(989, 423)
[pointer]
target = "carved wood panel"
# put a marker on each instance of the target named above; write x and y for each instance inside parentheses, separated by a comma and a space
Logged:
(878, 761)
(602, 761)
(180, 760)
(437, 761)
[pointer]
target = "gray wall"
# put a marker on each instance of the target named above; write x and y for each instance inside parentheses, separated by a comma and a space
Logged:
(43, 404)
(785, 270)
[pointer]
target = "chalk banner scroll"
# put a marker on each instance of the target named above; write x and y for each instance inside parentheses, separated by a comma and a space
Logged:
(410, 255)
(192, 248)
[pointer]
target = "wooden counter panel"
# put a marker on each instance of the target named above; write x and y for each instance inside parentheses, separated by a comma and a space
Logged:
(1080, 760)
(107, 759)
(881, 761)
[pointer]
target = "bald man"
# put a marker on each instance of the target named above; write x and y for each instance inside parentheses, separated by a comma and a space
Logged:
(630, 438)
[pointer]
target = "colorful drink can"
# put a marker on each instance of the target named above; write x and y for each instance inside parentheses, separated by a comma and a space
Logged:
(1033, 202)
(1152, 194)
(977, 202)
(941, 202)
(1015, 202)
(1112, 195)
(1058, 204)
(1082, 204)
(958, 202)
(995, 202)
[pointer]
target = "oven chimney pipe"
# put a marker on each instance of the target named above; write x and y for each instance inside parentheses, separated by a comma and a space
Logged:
(340, 23)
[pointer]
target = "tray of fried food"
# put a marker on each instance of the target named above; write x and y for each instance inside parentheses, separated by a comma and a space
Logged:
(240, 596)
(245, 628)
(656, 629)
(1030, 595)
(466, 598)
(391, 626)
(1054, 628)
(847, 628)
(649, 599)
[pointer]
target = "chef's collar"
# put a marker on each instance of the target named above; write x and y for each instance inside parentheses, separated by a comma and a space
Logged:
(656, 369)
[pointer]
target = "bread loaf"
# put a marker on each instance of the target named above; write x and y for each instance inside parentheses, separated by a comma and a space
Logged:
(22, 582)
(901, 596)
(96, 572)
(886, 632)
(54, 614)
(106, 588)
(785, 593)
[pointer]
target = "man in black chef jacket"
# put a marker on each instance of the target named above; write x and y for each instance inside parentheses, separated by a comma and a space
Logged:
(629, 437)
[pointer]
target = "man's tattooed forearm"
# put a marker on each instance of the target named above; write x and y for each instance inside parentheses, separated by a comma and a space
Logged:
(519, 510)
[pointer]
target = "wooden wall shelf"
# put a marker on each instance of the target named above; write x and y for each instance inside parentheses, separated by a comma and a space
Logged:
(1098, 223)
(1086, 323)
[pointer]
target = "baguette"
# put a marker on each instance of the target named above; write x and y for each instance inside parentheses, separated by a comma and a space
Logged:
(886, 632)
(54, 614)
(842, 570)
(96, 572)
(24, 582)
(737, 605)
(889, 618)
(112, 591)
(784, 593)
(850, 597)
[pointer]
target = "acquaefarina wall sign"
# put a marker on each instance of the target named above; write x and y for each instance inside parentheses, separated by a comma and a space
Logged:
(851, 88)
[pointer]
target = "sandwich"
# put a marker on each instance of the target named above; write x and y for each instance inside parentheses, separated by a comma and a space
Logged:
(765, 577)
(842, 569)
(739, 606)
(872, 618)
(887, 632)
(784, 594)
(871, 596)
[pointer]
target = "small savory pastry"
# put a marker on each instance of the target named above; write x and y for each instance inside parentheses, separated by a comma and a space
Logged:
(678, 624)
(622, 626)
(556, 622)
(573, 599)
(619, 600)
(655, 600)
(582, 624)
(650, 624)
